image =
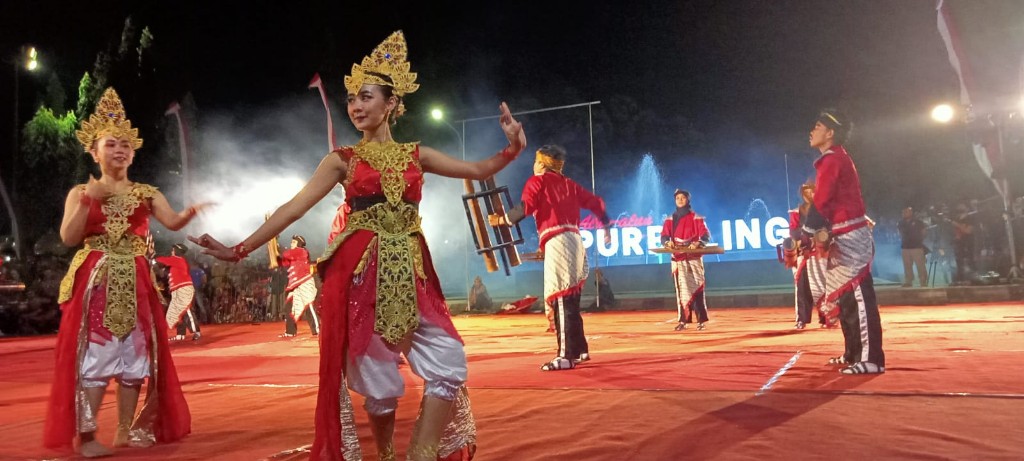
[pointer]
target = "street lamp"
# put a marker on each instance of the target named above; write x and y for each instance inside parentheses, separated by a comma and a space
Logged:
(31, 63)
(437, 114)
(29, 58)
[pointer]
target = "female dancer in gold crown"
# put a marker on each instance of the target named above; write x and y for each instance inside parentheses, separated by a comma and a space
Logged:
(113, 323)
(381, 296)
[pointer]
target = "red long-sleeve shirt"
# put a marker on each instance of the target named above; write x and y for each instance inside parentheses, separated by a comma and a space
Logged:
(690, 228)
(837, 194)
(555, 202)
(179, 276)
(297, 262)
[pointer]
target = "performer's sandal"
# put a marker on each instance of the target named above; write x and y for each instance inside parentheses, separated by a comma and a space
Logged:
(558, 363)
(837, 360)
(701, 326)
(681, 326)
(584, 357)
(862, 368)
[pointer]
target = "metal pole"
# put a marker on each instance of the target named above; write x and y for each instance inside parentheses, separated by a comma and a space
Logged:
(789, 203)
(14, 218)
(14, 134)
(1005, 192)
(469, 284)
(546, 109)
(14, 164)
(593, 188)
(590, 128)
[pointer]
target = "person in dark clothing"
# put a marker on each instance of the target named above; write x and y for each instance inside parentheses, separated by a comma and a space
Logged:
(912, 234)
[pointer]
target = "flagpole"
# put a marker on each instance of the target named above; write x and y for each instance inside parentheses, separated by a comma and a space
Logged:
(1005, 192)
(186, 186)
(982, 152)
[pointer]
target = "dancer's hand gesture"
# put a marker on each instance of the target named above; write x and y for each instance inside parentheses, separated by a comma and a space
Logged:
(97, 190)
(512, 128)
(213, 247)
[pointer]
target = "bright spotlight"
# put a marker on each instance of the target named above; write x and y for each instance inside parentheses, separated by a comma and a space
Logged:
(437, 114)
(32, 63)
(943, 113)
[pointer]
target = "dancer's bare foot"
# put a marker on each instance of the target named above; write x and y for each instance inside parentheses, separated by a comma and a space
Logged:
(94, 449)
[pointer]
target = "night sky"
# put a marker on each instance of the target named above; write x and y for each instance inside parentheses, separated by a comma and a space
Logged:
(715, 90)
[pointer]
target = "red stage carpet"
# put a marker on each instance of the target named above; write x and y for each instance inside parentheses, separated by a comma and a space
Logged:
(952, 391)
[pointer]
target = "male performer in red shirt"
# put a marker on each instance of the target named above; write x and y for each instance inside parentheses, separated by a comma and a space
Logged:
(179, 282)
(842, 230)
(301, 289)
(555, 202)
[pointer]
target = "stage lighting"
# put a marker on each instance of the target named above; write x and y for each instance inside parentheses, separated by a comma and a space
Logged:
(943, 113)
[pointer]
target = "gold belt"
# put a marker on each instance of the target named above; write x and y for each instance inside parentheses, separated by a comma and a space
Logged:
(119, 269)
(399, 261)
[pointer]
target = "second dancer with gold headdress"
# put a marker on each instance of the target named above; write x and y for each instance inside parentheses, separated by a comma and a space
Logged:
(381, 295)
(112, 324)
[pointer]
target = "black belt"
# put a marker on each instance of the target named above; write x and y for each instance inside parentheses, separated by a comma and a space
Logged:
(362, 203)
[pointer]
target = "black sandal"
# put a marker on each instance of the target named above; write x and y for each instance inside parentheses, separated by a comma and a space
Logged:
(558, 363)
(681, 326)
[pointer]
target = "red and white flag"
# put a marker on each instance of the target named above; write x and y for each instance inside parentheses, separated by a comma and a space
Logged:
(986, 143)
(186, 158)
(316, 83)
(341, 216)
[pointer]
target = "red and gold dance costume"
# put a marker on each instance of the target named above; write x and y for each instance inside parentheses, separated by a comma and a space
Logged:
(112, 323)
(379, 288)
(687, 269)
(108, 297)
(555, 202)
(849, 287)
(301, 289)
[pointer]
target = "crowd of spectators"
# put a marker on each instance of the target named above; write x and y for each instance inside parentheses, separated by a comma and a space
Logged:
(965, 243)
(225, 293)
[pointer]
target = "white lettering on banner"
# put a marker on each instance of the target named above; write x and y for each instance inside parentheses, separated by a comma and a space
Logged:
(611, 248)
(736, 234)
(747, 233)
(631, 237)
(587, 237)
(653, 237)
(776, 230)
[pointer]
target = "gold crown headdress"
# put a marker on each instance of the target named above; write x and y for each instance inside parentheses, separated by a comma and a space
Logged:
(108, 119)
(387, 60)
